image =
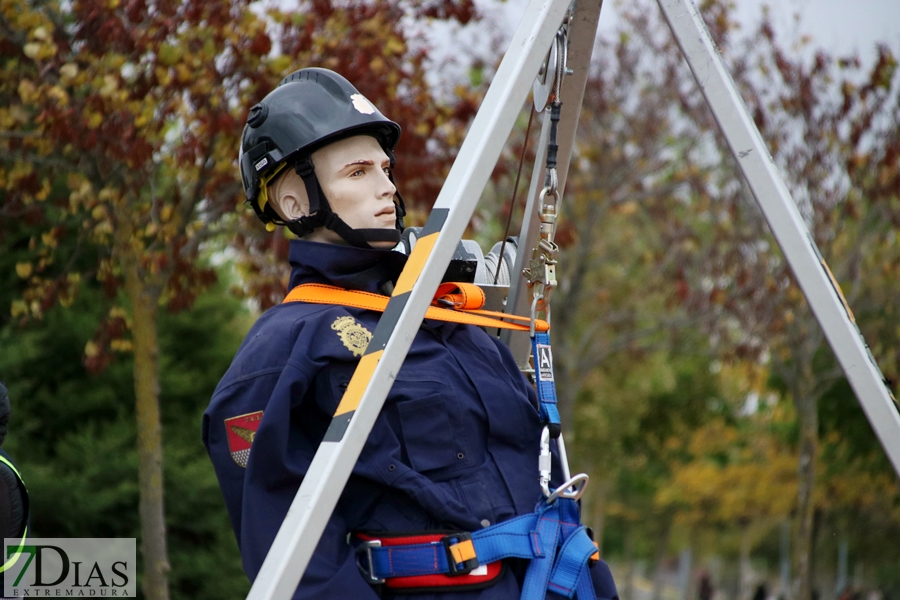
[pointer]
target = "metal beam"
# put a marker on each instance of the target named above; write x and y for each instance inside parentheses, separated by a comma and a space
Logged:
(299, 534)
(791, 233)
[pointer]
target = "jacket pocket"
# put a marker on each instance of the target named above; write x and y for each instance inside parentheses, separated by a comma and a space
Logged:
(428, 434)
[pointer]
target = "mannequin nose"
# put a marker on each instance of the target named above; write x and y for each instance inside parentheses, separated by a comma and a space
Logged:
(389, 189)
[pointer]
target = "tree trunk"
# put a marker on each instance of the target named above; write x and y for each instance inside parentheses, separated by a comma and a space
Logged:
(628, 591)
(841, 583)
(809, 428)
(145, 309)
(598, 512)
(662, 549)
(685, 564)
(784, 577)
(745, 585)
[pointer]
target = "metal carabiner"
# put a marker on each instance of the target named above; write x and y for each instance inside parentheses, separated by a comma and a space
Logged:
(545, 465)
(563, 490)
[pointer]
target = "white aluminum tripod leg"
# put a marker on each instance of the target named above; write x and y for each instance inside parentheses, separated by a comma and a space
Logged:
(327, 475)
(784, 219)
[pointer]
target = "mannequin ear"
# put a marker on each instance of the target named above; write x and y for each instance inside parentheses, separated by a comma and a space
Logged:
(288, 197)
(291, 205)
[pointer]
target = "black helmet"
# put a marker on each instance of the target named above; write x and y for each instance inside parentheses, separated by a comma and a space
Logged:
(309, 109)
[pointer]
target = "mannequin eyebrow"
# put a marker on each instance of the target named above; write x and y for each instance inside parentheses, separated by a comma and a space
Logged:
(365, 162)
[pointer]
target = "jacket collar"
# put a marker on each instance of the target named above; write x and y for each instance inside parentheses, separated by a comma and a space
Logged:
(343, 266)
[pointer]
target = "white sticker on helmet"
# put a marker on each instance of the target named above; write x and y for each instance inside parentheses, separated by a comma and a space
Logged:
(261, 164)
(362, 104)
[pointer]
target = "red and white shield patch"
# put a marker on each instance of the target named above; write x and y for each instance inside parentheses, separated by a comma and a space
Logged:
(241, 431)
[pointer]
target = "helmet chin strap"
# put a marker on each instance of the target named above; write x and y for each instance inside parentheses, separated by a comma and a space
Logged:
(321, 215)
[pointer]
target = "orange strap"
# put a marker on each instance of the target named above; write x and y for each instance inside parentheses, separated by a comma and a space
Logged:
(465, 299)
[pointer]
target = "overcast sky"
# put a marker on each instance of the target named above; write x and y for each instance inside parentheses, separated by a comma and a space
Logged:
(843, 26)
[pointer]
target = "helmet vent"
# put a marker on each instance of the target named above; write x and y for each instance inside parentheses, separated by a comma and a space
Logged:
(258, 115)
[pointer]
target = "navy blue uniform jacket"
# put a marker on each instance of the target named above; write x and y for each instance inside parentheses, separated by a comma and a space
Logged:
(455, 446)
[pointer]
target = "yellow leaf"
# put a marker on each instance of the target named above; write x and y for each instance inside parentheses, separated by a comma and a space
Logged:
(163, 75)
(280, 64)
(23, 270)
(94, 120)
(121, 345)
(68, 71)
(27, 91)
(394, 46)
(59, 94)
(18, 309)
(32, 49)
(110, 85)
(91, 349)
(627, 208)
(168, 55)
(18, 113)
(184, 74)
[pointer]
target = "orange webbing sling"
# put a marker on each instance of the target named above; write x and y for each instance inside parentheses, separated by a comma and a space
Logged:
(466, 300)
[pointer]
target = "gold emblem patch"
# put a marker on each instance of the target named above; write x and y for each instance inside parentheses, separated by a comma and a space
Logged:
(241, 432)
(353, 335)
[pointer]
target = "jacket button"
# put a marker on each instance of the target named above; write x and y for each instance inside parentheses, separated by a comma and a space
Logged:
(485, 523)
(391, 467)
(460, 456)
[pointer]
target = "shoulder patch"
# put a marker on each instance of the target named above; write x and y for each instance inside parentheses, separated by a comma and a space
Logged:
(241, 431)
(353, 335)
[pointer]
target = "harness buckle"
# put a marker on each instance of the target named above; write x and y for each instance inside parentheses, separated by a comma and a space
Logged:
(365, 548)
(460, 553)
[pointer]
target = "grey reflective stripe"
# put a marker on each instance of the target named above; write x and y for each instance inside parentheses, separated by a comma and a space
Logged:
(15, 556)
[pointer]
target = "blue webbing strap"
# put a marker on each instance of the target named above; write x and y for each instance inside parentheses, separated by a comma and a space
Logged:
(552, 537)
(543, 375)
(573, 561)
(537, 577)
(505, 540)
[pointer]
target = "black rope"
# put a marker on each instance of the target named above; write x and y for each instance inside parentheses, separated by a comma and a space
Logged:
(512, 203)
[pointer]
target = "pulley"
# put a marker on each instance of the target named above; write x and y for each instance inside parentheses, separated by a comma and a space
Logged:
(549, 78)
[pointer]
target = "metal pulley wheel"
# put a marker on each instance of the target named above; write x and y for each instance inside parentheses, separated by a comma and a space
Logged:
(544, 82)
(549, 78)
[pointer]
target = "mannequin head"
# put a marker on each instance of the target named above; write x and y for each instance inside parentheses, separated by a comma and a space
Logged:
(309, 111)
(353, 173)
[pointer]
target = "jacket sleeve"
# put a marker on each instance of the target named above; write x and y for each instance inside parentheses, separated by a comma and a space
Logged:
(283, 449)
(332, 570)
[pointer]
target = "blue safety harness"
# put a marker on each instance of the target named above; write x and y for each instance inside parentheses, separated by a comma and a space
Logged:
(544, 382)
(552, 537)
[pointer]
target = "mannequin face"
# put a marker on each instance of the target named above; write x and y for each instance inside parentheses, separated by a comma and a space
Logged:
(353, 173)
